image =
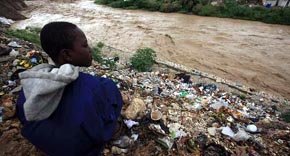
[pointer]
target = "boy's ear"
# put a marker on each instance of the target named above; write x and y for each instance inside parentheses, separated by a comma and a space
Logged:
(65, 55)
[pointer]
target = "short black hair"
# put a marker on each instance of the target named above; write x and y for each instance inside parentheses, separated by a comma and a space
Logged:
(56, 36)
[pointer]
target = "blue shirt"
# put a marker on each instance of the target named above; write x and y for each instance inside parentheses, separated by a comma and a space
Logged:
(83, 122)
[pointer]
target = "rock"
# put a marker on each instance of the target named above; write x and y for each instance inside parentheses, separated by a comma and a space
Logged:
(4, 50)
(14, 44)
(117, 150)
(230, 119)
(123, 142)
(252, 128)
(126, 97)
(6, 101)
(5, 58)
(14, 53)
(241, 136)
(15, 62)
(136, 107)
(8, 113)
(211, 131)
(10, 9)
(6, 21)
(228, 131)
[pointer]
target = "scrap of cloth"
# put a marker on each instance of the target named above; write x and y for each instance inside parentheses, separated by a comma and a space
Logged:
(82, 122)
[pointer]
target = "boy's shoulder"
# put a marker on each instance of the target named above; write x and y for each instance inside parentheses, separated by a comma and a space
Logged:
(94, 80)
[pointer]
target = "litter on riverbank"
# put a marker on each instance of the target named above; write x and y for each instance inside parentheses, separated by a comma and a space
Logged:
(166, 111)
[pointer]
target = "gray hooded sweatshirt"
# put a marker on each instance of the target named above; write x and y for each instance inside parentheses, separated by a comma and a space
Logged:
(43, 86)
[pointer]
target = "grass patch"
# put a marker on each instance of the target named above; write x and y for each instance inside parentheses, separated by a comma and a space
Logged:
(29, 34)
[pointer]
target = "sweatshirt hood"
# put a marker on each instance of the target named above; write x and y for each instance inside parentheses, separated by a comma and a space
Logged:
(43, 86)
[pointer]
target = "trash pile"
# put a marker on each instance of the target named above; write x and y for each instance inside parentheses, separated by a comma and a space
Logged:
(15, 56)
(165, 112)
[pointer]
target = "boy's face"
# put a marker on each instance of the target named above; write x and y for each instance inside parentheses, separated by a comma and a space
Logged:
(81, 54)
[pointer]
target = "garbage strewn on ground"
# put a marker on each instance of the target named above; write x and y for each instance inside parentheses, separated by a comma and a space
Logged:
(188, 118)
(166, 111)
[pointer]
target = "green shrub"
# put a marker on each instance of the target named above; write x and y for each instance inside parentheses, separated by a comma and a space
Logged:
(103, 1)
(25, 34)
(208, 10)
(117, 4)
(171, 7)
(197, 8)
(203, 2)
(188, 5)
(152, 5)
(143, 59)
(98, 57)
(96, 53)
(259, 13)
(176, 6)
(100, 44)
(285, 16)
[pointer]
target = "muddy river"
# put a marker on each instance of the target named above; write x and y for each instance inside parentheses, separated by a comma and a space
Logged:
(251, 53)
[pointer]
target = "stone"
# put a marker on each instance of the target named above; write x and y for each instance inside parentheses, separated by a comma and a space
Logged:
(252, 128)
(211, 131)
(228, 131)
(15, 62)
(117, 150)
(123, 142)
(14, 44)
(241, 135)
(136, 107)
(10, 9)
(4, 50)
(6, 21)
(230, 119)
(13, 53)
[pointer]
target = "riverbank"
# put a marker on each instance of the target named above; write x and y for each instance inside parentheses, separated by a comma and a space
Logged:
(228, 9)
(200, 116)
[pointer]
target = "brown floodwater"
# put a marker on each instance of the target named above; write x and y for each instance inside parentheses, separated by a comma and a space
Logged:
(252, 53)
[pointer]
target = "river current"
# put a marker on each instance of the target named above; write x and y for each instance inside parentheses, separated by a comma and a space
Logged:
(252, 53)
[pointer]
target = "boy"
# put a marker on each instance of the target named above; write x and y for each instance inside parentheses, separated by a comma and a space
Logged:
(64, 111)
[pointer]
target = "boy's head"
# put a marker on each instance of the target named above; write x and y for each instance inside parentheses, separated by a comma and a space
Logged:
(65, 43)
